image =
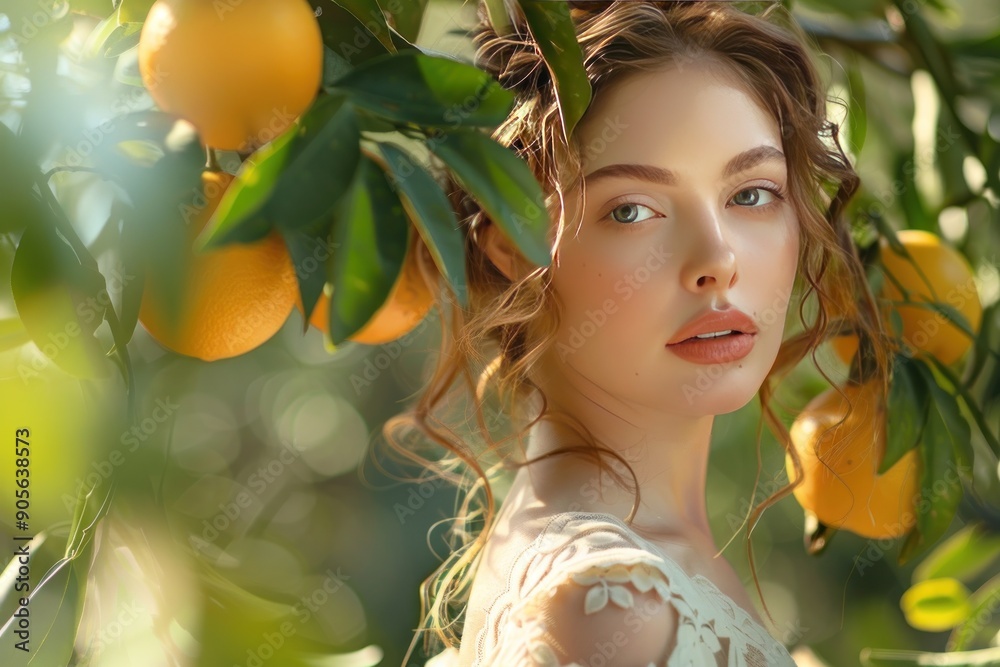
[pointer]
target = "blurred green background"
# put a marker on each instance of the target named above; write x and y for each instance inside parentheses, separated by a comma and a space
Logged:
(243, 533)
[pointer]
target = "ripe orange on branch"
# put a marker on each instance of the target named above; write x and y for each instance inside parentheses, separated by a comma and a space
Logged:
(239, 70)
(944, 276)
(840, 463)
(234, 298)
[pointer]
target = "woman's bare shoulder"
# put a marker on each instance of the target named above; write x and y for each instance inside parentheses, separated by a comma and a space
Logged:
(545, 575)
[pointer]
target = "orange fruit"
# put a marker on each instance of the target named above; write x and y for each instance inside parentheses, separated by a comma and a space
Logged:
(234, 298)
(409, 301)
(240, 71)
(949, 281)
(840, 462)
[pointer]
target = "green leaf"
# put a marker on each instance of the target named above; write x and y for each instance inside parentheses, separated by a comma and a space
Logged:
(93, 46)
(51, 291)
(369, 13)
(349, 39)
(433, 216)
(164, 200)
(310, 250)
(409, 18)
(317, 172)
(122, 38)
(133, 11)
(54, 607)
(18, 175)
(12, 334)
(133, 272)
(908, 403)
(871, 657)
(95, 8)
(410, 87)
(940, 483)
(934, 605)
(982, 616)
(371, 232)
(552, 29)
(964, 555)
(957, 427)
(502, 184)
(240, 215)
(857, 119)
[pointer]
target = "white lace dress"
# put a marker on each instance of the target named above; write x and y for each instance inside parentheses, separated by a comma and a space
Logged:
(604, 555)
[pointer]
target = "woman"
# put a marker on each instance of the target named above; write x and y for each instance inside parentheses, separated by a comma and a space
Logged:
(700, 195)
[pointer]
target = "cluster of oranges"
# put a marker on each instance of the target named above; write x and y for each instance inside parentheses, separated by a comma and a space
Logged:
(236, 297)
(840, 435)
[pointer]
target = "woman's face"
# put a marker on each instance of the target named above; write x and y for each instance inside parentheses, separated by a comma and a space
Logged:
(686, 213)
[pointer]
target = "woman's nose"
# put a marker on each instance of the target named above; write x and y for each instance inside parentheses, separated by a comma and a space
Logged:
(711, 261)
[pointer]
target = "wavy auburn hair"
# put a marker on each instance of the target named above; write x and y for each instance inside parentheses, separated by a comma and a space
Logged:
(509, 324)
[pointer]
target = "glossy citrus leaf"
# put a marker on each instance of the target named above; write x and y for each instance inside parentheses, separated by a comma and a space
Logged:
(18, 178)
(502, 184)
(310, 250)
(408, 18)
(411, 87)
(957, 426)
(552, 29)
(934, 605)
(963, 556)
(51, 291)
(133, 273)
(369, 13)
(240, 215)
(940, 481)
(133, 11)
(981, 619)
(321, 161)
(371, 233)
(908, 404)
(433, 216)
(55, 606)
(348, 38)
(857, 119)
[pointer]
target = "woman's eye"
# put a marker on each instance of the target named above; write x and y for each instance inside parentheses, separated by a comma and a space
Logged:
(631, 212)
(751, 197)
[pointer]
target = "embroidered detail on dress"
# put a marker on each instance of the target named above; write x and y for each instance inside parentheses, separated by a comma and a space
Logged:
(600, 553)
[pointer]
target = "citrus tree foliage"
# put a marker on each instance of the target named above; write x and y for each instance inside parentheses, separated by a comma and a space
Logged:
(97, 185)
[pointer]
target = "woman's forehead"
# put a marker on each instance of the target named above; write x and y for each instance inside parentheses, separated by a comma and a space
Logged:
(686, 117)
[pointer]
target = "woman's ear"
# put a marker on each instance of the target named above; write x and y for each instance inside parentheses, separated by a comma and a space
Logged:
(500, 250)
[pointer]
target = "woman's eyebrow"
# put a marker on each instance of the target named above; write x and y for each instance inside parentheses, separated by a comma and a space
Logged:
(748, 159)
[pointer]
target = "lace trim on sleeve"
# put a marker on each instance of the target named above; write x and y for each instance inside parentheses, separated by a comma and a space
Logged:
(603, 556)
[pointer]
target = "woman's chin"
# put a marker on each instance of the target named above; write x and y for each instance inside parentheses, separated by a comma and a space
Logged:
(718, 399)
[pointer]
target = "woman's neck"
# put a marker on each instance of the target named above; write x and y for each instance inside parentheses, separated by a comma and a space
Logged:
(668, 455)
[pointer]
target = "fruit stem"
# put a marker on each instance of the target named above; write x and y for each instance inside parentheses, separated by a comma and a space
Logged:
(211, 160)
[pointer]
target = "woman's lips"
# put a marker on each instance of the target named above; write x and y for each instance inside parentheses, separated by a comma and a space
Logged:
(718, 350)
